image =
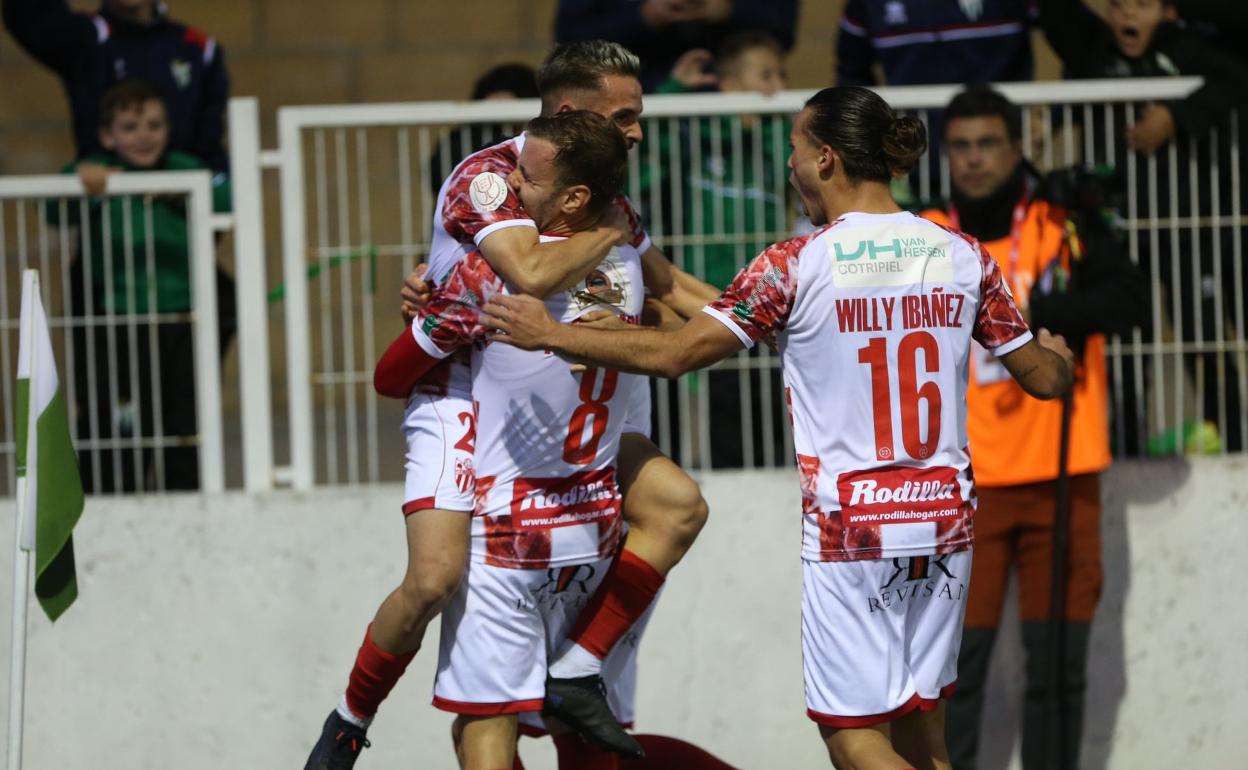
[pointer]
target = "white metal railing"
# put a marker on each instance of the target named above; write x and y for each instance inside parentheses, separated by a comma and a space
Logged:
(357, 185)
(46, 222)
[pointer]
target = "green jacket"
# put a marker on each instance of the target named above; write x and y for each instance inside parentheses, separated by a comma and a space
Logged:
(129, 247)
(734, 193)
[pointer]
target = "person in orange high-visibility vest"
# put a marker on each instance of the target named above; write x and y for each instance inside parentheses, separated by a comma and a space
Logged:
(1074, 281)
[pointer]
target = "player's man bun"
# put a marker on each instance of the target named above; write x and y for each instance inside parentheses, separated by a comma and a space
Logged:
(581, 66)
(874, 144)
(589, 150)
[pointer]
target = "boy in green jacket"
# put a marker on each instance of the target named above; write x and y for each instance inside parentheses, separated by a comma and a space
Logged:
(134, 266)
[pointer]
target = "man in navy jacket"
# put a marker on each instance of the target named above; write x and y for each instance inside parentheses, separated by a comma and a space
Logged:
(129, 39)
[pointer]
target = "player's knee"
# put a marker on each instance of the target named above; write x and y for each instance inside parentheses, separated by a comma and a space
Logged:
(429, 589)
(686, 510)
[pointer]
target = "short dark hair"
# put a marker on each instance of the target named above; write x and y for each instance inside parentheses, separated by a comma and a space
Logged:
(875, 145)
(582, 65)
(127, 95)
(517, 79)
(734, 46)
(984, 102)
(589, 150)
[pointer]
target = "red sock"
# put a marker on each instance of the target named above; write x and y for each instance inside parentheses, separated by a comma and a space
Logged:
(624, 595)
(576, 754)
(663, 753)
(373, 676)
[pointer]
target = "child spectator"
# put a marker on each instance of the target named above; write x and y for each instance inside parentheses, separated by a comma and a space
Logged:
(137, 252)
(733, 203)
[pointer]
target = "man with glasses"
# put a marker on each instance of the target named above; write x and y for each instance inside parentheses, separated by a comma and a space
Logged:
(1070, 277)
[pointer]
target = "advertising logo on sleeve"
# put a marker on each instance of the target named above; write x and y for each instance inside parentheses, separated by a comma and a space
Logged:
(900, 495)
(488, 191)
(581, 498)
(893, 256)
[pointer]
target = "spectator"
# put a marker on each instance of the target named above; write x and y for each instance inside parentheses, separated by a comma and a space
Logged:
(1144, 38)
(734, 204)
(138, 267)
(660, 31)
(506, 81)
(129, 39)
(1069, 276)
(916, 42)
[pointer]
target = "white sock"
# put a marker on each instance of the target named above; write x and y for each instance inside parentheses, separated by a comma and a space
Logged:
(345, 712)
(575, 661)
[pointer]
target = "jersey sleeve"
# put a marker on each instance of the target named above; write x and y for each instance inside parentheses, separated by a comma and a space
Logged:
(452, 317)
(760, 298)
(999, 326)
(640, 238)
(479, 201)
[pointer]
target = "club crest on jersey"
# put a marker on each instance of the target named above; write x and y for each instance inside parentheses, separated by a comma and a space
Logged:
(899, 256)
(899, 495)
(181, 71)
(465, 476)
(606, 285)
(488, 191)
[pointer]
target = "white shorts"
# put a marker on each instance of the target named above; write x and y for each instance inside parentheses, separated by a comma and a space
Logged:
(498, 631)
(439, 431)
(880, 637)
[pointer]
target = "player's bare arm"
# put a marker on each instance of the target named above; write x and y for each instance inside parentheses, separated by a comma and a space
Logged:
(1044, 367)
(674, 287)
(542, 269)
(526, 324)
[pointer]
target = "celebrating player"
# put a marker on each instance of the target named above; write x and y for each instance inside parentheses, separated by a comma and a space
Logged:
(874, 314)
(476, 209)
(547, 518)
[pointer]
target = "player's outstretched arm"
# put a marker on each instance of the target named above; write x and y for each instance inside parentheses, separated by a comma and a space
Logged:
(542, 269)
(525, 323)
(1044, 367)
(674, 287)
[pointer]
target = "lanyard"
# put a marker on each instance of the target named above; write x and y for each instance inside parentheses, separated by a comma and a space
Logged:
(1016, 230)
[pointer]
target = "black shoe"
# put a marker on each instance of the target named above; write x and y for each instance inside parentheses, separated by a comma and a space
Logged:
(581, 704)
(340, 745)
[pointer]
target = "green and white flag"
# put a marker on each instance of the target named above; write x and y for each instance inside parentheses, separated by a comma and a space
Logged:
(47, 467)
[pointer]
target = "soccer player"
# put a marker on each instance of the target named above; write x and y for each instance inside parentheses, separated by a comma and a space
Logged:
(547, 517)
(476, 209)
(874, 313)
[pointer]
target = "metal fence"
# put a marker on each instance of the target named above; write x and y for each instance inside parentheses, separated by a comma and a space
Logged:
(358, 185)
(135, 334)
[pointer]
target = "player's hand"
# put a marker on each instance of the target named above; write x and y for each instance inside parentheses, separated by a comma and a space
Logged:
(691, 70)
(1057, 344)
(1154, 128)
(94, 177)
(519, 320)
(414, 294)
(603, 319)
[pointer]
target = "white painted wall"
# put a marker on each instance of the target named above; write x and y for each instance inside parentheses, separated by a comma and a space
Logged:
(218, 632)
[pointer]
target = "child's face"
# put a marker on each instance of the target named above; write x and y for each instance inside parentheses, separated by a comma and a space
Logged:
(1135, 21)
(757, 69)
(138, 134)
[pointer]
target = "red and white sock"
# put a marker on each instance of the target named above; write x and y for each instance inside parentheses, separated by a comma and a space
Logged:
(625, 594)
(375, 673)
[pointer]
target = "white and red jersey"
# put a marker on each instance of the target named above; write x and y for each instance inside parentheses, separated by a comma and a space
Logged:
(546, 438)
(875, 315)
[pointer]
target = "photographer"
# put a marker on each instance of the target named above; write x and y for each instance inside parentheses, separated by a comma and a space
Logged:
(1068, 275)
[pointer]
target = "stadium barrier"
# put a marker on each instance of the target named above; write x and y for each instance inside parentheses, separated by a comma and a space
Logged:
(358, 184)
(107, 327)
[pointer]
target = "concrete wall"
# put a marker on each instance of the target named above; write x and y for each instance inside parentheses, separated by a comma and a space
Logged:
(218, 632)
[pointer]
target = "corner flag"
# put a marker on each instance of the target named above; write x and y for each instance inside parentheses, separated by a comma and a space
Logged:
(45, 457)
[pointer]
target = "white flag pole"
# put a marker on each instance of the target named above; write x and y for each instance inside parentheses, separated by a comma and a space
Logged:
(21, 542)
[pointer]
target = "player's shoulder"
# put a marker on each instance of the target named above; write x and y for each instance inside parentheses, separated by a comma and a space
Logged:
(790, 250)
(499, 159)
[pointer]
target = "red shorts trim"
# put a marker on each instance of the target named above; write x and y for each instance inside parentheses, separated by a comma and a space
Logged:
(419, 504)
(487, 709)
(915, 702)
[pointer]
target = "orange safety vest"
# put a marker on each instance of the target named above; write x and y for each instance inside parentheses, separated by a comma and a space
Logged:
(1015, 438)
